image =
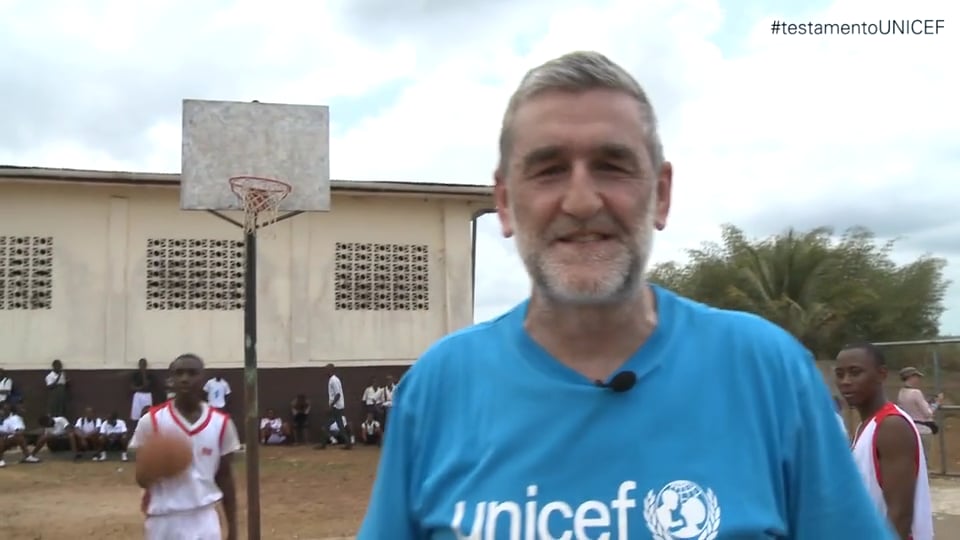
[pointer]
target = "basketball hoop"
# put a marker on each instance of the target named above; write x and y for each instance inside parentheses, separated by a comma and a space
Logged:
(259, 196)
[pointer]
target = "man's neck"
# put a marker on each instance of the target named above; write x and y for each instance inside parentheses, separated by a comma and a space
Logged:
(869, 410)
(187, 405)
(593, 340)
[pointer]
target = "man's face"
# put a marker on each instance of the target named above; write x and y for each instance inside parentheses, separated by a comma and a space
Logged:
(88, 412)
(187, 373)
(858, 376)
(142, 363)
(581, 196)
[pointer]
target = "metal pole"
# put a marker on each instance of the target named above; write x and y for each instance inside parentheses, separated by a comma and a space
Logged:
(941, 440)
(940, 341)
(475, 220)
(252, 431)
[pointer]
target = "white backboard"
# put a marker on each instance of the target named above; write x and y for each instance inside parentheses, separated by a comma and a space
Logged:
(222, 139)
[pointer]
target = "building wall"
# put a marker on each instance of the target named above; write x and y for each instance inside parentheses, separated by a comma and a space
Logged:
(99, 317)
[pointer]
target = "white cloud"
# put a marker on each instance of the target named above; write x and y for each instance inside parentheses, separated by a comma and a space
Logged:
(759, 130)
(788, 121)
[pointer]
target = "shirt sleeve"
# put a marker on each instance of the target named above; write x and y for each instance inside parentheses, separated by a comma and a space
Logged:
(827, 499)
(389, 511)
(231, 440)
(142, 431)
(916, 401)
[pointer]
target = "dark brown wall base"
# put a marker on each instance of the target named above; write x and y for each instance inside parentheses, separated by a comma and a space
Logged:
(109, 390)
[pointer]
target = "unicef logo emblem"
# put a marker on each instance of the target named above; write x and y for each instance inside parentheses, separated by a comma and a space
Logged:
(682, 510)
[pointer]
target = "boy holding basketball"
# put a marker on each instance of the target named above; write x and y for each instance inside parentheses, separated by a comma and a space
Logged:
(183, 462)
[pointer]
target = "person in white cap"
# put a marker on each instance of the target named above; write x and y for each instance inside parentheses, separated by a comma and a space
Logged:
(911, 400)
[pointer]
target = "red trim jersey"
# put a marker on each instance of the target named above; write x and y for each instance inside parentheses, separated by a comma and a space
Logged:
(212, 436)
(867, 459)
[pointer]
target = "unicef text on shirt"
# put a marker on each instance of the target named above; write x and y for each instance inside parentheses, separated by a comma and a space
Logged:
(558, 520)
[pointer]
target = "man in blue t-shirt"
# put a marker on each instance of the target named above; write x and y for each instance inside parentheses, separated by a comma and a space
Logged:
(604, 407)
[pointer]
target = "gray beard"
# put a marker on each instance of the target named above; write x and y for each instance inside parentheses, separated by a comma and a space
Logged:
(627, 290)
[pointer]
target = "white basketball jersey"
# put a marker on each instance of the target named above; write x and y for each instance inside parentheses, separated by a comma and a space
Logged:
(211, 437)
(865, 455)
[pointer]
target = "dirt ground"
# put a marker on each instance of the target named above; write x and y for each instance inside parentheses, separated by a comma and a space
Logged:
(306, 494)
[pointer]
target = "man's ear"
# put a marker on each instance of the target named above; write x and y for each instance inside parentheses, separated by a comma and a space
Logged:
(664, 190)
(501, 199)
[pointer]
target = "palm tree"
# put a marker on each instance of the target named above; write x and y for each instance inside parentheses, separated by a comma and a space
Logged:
(824, 292)
(783, 280)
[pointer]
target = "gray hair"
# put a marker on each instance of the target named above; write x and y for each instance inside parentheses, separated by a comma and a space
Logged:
(578, 72)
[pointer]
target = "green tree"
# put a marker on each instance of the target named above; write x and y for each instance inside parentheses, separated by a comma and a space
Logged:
(824, 290)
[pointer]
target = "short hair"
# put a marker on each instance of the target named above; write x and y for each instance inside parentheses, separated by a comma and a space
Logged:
(578, 72)
(872, 351)
(187, 356)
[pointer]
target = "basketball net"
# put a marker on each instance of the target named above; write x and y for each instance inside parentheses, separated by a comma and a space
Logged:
(260, 198)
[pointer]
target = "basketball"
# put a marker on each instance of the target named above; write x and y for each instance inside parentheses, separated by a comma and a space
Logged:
(164, 455)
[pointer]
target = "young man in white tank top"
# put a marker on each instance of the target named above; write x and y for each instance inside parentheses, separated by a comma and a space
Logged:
(886, 445)
(184, 507)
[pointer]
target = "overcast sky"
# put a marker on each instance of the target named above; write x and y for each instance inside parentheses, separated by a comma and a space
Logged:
(765, 131)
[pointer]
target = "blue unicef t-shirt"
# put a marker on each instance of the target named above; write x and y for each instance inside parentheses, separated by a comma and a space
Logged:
(729, 433)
